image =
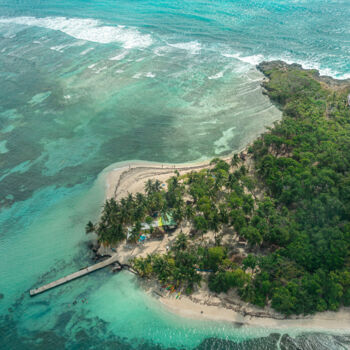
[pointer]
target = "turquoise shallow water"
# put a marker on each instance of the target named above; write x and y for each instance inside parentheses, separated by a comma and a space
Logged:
(88, 83)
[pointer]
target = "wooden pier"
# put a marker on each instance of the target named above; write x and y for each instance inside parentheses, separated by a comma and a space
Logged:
(74, 275)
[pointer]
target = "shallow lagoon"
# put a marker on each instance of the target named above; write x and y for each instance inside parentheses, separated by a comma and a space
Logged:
(87, 84)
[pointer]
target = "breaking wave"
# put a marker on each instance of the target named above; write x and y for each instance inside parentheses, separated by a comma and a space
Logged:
(87, 29)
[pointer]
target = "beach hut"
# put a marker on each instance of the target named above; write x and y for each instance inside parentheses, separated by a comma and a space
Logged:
(165, 221)
(168, 221)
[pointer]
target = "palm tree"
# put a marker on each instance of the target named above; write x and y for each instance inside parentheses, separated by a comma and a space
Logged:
(178, 214)
(149, 189)
(102, 233)
(135, 233)
(124, 215)
(157, 186)
(139, 213)
(130, 201)
(215, 223)
(89, 227)
(181, 242)
(200, 224)
(113, 204)
(174, 182)
(215, 161)
(189, 212)
(235, 160)
(140, 199)
(119, 233)
(231, 181)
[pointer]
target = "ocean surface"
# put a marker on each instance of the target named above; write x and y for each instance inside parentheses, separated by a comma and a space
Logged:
(84, 84)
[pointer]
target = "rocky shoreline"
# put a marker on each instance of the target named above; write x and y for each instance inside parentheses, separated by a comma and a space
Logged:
(333, 83)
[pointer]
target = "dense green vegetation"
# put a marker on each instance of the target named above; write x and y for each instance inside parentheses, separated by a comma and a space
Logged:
(290, 201)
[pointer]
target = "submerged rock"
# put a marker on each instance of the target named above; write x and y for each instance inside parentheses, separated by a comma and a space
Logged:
(265, 343)
(310, 341)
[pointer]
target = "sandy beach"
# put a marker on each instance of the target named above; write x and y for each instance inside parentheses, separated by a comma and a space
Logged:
(131, 177)
(199, 307)
(202, 304)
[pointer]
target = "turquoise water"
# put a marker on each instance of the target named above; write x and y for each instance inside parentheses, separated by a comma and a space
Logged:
(84, 84)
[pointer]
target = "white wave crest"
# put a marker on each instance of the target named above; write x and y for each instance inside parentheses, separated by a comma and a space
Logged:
(86, 51)
(87, 29)
(253, 60)
(119, 57)
(193, 47)
(147, 75)
(344, 76)
(217, 76)
(306, 64)
(161, 51)
(137, 76)
(60, 48)
(150, 75)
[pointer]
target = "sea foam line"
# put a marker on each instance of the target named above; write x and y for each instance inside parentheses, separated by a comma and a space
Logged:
(194, 47)
(256, 59)
(253, 60)
(87, 29)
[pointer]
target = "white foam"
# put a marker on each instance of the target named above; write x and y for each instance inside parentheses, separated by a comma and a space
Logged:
(256, 59)
(217, 76)
(99, 70)
(150, 75)
(344, 76)
(87, 29)
(315, 65)
(223, 143)
(161, 51)
(120, 56)
(147, 75)
(58, 48)
(86, 51)
(11, 36)
(253, 60)
(194, 47)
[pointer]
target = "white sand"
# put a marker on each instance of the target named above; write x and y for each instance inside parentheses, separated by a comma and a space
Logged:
(131, 177)
(185, 307)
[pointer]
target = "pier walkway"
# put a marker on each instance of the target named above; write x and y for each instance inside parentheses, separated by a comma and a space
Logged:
(74, 275)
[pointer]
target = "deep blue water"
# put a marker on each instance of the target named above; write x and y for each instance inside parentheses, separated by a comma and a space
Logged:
(84, 84)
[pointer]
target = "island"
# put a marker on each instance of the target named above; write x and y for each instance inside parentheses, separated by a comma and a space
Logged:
(263, 233)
